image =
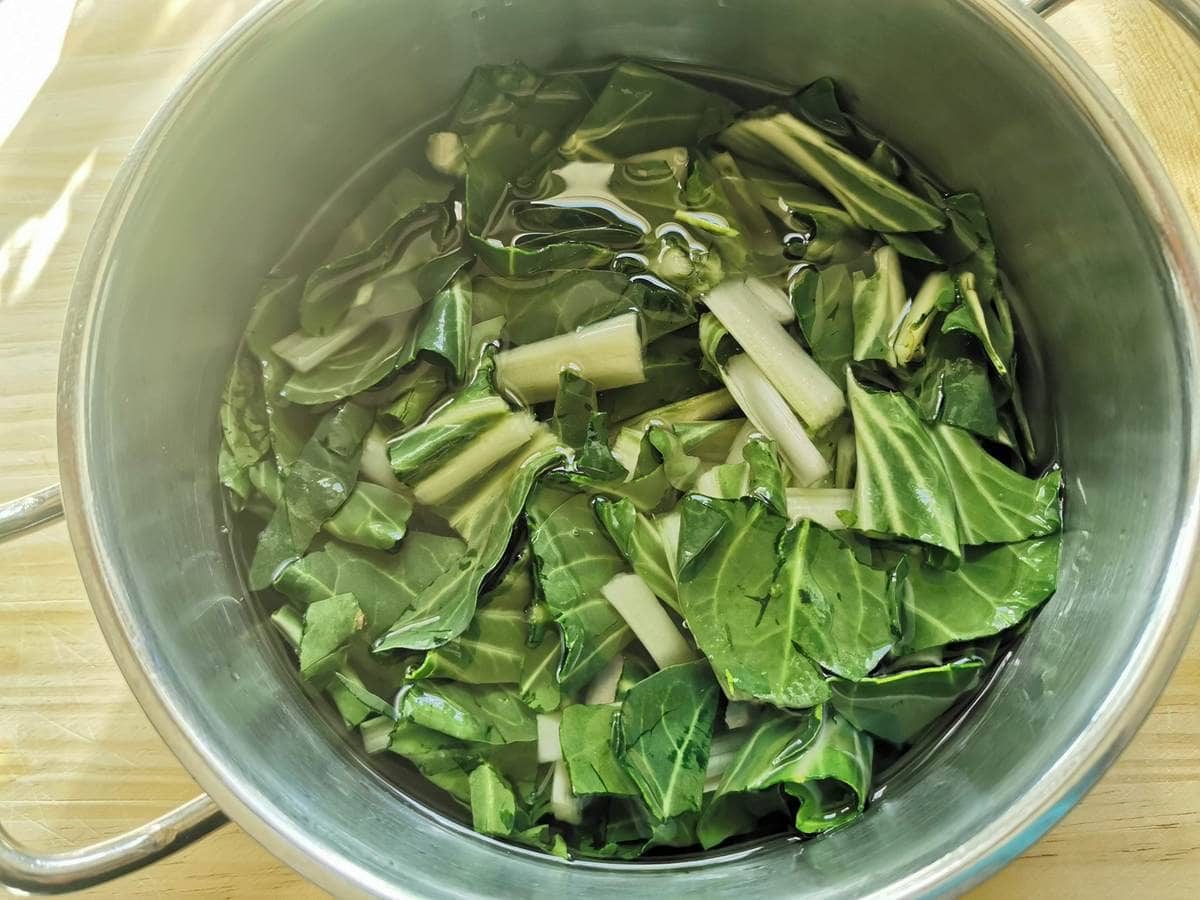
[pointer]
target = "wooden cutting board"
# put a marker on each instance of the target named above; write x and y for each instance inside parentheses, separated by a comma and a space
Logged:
(79, 761)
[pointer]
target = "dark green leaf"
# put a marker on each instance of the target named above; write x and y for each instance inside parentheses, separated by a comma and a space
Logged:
(318, 484)
(727, 560)
(331, 289)
(823, 302)
(586, 735)
(666, 726)
(573, 562)
(768, 755)
(642, 109)
(899, 706)
(446, 330)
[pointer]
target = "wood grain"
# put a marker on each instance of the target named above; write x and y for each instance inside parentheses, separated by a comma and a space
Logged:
(79, 761)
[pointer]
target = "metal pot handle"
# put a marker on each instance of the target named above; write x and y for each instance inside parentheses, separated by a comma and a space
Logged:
(72, 870)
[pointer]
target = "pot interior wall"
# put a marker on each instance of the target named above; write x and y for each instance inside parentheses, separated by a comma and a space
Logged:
(317, 91)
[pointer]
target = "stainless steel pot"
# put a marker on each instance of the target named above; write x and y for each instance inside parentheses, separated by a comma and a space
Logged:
(302, 94)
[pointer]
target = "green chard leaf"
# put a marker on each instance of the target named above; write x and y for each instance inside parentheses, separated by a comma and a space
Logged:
(823, 301)
(993, 589)
(487, 714)
(766, 758)
(331, 289)
(587, 737)
(573, 408)
(749, 632)
(473, 410)
(485, 519)
(372, 516)
(994, 503)
(493, 649)
(666, 727)
(317, 485)
(845, 612)
(385, 584)
(244, 421)
(872, 199)
(643, 109)
(673, 373)
(901, 489)
(953, 386)
(899, 706)
(446, 330)
(640, 543)
(574, 560)
(493, 803)
(328, 626)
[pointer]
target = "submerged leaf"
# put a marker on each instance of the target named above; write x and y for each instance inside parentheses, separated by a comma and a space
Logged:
(993, 589)
(727, 562)
(666, 729)
(573, 562)
(643, 109)
(901, 489)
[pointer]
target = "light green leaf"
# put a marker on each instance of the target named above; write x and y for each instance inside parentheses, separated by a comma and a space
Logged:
(993, 589)
(328, 626)
(901, 488)
(488, 714)
(845, 612)
(994, 503)
(373, 516)
(385, 584)
(872, 199)
(493, 803)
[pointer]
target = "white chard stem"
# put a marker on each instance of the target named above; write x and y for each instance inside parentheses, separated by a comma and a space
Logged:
(476, 458)
(802, 383)
(771, 415)
(649, 622)
(608, 354)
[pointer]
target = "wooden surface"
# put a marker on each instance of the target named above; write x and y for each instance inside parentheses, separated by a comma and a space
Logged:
(78, 760)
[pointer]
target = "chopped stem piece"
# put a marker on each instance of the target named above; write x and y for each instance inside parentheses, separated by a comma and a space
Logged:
(640, 609)
(798, 379)
(822, 505)
(476, 458)
(766, 409)
(549, 749)
(608, 354)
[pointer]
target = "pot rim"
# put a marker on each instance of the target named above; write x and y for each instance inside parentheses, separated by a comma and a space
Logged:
(1095, 748)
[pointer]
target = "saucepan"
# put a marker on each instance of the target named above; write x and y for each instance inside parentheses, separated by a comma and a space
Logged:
(300, 99)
